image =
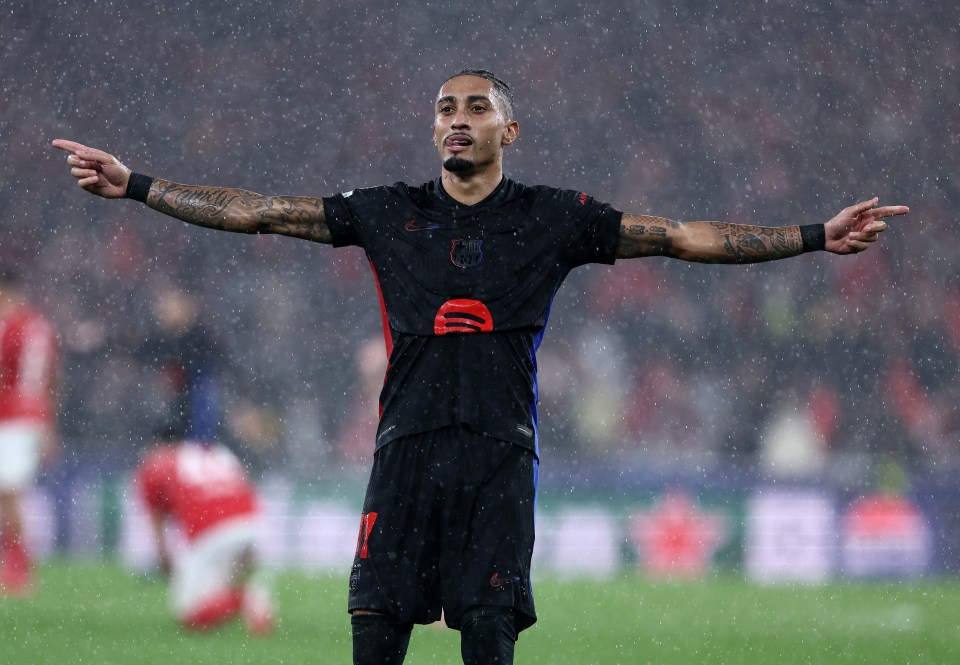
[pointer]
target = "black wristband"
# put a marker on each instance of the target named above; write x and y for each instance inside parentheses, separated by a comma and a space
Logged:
(138, 186)
(813, 237)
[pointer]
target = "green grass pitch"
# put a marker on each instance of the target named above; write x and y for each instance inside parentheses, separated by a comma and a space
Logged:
(97, 613)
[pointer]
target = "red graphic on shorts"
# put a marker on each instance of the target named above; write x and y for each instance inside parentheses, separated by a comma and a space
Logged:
(462, 316)
(367, 520)
(583, 199)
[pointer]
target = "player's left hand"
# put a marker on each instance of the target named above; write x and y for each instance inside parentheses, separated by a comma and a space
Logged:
(852, 231)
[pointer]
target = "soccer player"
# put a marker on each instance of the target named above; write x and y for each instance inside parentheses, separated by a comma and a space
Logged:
(203, 489)
(28, 386)
(466, 266)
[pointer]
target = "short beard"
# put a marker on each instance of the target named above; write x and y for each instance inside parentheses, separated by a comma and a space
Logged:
(458, 165)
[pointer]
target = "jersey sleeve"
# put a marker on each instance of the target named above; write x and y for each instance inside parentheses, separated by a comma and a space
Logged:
(595, 230)
(341, 220)
(351, 216)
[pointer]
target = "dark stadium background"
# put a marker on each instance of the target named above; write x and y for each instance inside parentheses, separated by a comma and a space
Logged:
(654, 372)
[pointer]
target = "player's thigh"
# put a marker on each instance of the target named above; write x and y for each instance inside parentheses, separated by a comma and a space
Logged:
(19, 455)
(395, 565)
(491, 527)
(208, 565)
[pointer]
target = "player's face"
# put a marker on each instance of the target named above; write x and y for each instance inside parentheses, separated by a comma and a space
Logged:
(471, 126)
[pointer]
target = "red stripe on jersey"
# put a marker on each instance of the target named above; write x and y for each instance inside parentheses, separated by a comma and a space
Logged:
(385, 321)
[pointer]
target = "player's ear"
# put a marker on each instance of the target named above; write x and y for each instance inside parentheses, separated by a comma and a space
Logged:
(509, 136)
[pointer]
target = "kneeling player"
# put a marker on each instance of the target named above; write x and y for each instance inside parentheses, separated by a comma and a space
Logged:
(204, 490)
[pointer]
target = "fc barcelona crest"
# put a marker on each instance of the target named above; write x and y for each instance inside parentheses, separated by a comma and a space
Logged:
(466, 253)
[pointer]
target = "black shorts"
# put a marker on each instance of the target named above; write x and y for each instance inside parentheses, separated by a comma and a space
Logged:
(447, 524)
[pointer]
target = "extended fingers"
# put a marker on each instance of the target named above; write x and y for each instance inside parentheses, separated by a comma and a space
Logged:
(78, 149)
(83, 152)
(64, 144)
(889, 211)
(863, 205)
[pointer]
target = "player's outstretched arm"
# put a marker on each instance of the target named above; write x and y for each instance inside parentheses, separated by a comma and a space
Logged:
(221, 208)
(850, 232)
(706, 242)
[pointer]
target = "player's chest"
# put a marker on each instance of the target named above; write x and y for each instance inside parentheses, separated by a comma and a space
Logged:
(450, 245)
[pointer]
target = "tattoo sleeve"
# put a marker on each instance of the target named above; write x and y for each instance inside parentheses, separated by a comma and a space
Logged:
(643, 235)
(706, 242)
(240, 210)
(753, 244)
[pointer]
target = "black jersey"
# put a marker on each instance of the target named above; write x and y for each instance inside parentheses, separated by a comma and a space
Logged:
(466, 293)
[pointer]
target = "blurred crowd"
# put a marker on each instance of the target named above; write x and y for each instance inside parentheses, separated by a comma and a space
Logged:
(764, 113)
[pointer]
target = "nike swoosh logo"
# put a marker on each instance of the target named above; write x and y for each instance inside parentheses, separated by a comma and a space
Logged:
(412, 226)
(497, 581)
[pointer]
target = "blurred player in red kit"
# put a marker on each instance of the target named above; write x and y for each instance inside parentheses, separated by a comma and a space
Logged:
(28, 381)
(203, 489)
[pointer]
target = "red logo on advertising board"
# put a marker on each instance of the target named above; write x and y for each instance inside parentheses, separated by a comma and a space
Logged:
(676, 539)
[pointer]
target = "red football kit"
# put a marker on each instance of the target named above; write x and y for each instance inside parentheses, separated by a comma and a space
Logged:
(199, 486)
(28, 355)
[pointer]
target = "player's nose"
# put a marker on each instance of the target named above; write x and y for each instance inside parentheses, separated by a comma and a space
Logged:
(459, 120)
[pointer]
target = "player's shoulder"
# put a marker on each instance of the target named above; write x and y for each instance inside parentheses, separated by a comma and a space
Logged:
(158, 456)
(563, 194)
(397, 189)
(156, 466)
(371, 203)
(571, 202)
(26, 315)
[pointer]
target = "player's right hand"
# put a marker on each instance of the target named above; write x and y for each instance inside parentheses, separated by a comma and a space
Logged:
(96, 171)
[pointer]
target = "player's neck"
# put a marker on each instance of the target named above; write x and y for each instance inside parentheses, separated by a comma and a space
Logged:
(471, 188)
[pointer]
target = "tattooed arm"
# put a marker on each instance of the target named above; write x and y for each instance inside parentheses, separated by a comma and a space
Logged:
(849, 232)
(241, 211)
(705, 242)
(221, 208)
